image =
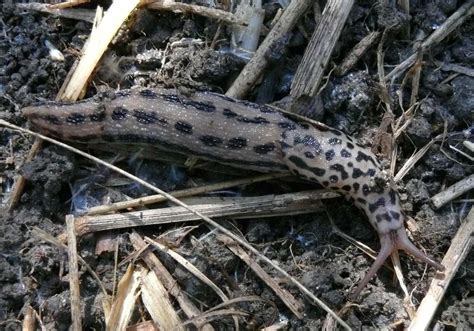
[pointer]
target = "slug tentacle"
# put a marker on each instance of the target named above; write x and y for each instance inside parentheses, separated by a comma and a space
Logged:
(390, 242)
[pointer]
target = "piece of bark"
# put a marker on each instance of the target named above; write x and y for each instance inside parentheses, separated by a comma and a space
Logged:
(311, 69)
(255, 67)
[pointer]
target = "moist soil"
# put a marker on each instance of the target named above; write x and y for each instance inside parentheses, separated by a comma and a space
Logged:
(193, 53)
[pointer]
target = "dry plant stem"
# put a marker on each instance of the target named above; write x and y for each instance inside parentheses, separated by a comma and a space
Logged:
(255, 67)
(469, 145)
(384, 140)
(192, 269)
(98, 42)
(289, 300)
(249, 298)
(453, 192)
(246, 38)
(178, 7)
(147, 325)
(68, 4)
(73, 275)
(218, 315)
(152, 199)
(124, 303)
(410, 163)
(157, 302)
(356, 53)
(277, 326)
(173, 288)
(455, 68)
(453, 22)
(238, 208)
(29, 320)
(21, 181)
(457, 252)
(317, 54)
(415, 82)
(86, 15)
(399, 273)
(178, 202)
(40, 234)
(201, 319)
(405, 7)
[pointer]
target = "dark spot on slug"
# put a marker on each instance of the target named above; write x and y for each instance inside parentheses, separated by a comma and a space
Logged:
(345, 153)
(284, 145)
(237, 143)
(254, 120)
(119, 113)
(374, 206)
(223, 97)
(99, 114)
(382, 217)
(311, 141)
(171, 98)
(346, 188)
(207, 107)
(356, 187)
(350, 145)
(229, 113)
(264, 149)
(333, 179)
(340, 168)
(149, 94)
(266, 110)
(379, 189)
(361, 156)
(76, 119)
(144, 117)
(309, 155)
(301, 164)
(287, 125)
(371, 172)
(261, 108)
(330, 155)
(350, 164)
(395, 215)
(393, 196)
(304, 126)
(123, 93)
(365, 189)
(325, 183)
(53, 119)
(356, 173)
(334, 141)
(184, 127)
(210, 140)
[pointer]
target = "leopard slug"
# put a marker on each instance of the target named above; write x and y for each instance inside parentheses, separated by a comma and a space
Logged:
(241, 134)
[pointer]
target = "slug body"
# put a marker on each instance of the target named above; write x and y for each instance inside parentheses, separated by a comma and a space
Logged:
(241, 134)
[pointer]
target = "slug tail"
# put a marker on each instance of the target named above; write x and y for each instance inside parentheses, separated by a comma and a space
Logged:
(391, 241)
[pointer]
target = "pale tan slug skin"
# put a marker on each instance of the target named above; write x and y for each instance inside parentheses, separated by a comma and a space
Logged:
(241, 134)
